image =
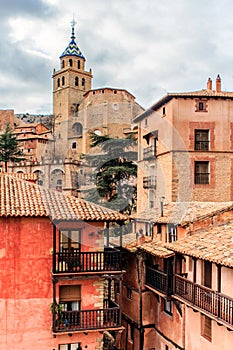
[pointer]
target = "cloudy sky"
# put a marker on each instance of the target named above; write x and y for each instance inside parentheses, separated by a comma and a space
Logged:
(147, 47)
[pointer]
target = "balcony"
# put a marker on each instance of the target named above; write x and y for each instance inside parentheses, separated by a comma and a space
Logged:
(149, 182)
(149, 152)
(216, 304)
(96, 319)
(79, 262)
(159, 280)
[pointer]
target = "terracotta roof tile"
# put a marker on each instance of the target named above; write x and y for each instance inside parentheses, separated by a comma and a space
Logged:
(21, 198)
(156, 248)
(184, 212)
(145, 243)
(214, 244)
(24, 176)
(193, 94)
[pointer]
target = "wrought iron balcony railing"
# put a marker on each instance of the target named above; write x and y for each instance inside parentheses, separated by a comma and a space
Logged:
(149, 182)
(216, 304)
(71, 321)
(149, 152)
(76, 262)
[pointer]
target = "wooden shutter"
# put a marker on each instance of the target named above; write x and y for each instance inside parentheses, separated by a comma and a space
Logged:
(69, 293)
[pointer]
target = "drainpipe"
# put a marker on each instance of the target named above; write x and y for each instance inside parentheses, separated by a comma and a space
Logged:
(139, 270)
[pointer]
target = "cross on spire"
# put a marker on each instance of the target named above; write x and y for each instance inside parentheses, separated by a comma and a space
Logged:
(73, 24)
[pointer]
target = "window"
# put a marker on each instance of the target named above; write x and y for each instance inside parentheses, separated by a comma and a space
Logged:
(201, 140)
(58, 82)
(129, 293)
(164, 111)
(70, 297)
(74, 346)
(70, 241)
(63, 80)
(207, 274)
(74, 145)
(167, 306)
(76, 81)
(166, 347)
(77, 129)
(171, 233)
(159, 228)
(201, 105)
(71, 62)
(63, 64)
(78, 64)
(206, 327)
(83, 82)
(201, 175)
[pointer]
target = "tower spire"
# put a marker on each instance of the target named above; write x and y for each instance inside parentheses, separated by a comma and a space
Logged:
(73, 24)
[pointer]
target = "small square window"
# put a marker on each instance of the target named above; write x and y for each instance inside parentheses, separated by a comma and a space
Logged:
(201, 106)
(74, 145)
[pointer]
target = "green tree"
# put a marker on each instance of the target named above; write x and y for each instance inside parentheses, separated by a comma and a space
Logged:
(115, 169)
(9, 148)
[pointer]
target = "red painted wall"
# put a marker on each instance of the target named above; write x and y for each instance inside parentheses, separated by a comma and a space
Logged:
(26, 290)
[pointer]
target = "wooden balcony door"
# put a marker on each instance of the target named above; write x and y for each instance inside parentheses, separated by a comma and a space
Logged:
(70, 241)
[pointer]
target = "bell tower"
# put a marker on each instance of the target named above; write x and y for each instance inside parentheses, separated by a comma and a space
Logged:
(70, 83)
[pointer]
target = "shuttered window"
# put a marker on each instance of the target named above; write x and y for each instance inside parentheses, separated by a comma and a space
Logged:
(206, 327)
(69, 293)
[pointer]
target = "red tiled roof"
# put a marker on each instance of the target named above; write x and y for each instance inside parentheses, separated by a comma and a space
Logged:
(25, 176)
(193, 94)
(156, 248)
(183, 213)
(214, 244)
(145, 243)
(21, 198)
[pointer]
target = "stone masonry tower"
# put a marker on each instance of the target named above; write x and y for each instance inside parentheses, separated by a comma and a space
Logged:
(70, 83)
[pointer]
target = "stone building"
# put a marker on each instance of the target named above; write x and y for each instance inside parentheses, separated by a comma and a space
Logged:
(185, 148)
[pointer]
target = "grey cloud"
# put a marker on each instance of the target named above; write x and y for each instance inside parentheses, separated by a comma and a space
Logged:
(24, 7)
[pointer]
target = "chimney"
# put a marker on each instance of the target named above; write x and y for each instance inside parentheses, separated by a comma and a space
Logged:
(209, 84)
(218, 84)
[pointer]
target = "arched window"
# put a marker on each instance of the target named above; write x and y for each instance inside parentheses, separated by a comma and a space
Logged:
(78, 64)
(63, 80)
(58, 82)
(76, 81)
(71, 62)
(77, 129)
(83, 82)
(62, 63)
(56, 177)
(40, 177)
